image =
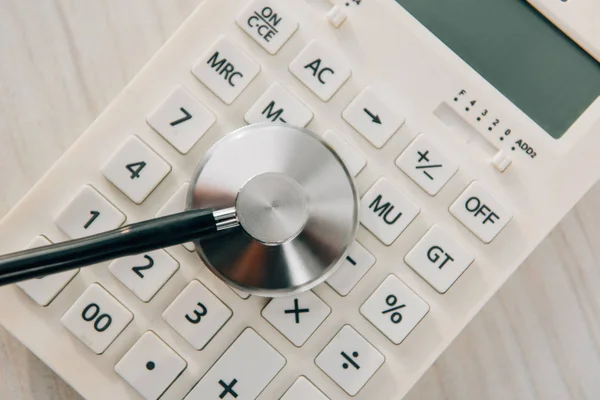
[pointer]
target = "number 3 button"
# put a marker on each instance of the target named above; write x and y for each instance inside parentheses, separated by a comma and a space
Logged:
(136, 169)
(97, 318)
(197, 315)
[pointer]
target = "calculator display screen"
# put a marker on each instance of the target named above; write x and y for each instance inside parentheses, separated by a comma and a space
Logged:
(521, 53)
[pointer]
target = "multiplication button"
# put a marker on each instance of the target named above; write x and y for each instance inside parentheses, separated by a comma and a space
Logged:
(268, 23)
(386, 212)
(394, 309)
(320, 70)
(297, 317)
(226, 70)
(349, 360)
(426, 165)
(481, 212)
(439, 259)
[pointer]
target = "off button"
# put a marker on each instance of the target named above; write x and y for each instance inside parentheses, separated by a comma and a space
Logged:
(481, 212)
(268, 24)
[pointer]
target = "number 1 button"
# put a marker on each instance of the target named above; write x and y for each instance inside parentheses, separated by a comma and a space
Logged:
(181, 120)
(97, 318)
(197, 315)
(136, 169)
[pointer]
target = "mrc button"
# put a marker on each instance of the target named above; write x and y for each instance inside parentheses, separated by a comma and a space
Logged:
(481, 212)
(268, 24)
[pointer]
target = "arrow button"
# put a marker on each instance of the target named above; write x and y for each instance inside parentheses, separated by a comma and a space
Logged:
(373, 118)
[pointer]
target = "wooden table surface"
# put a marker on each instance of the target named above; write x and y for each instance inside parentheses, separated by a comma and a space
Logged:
(63, 61)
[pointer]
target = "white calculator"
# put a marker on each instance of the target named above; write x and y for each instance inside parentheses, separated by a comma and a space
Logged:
(470, 127)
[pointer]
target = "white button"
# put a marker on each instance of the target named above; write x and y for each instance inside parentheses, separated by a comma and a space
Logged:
(150, 366)
(225, 70)
(243, 371)
(353, 268)
(501, 161)
(439, 259)
(44, 290)
(372, 118)
(197, 314)
(336, 16)
(268, 23)
(386, 212)
(321, 70)
(303, 389)
(136, 169)
(176, 204)
(394, 309)
(480, 212)
(277, 104)
(144, 274)
(297, 317)
(425, 164)
(354, 160)
(87, 214)
(350, 360)
(96, 318)
(181, 120)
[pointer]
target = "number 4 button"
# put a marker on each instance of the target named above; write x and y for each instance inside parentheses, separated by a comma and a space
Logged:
(136, 169)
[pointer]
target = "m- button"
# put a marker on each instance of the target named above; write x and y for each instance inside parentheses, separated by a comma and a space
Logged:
(266, 23)
(320, 70)
(225, 70)
(480, 212)
(386, 212)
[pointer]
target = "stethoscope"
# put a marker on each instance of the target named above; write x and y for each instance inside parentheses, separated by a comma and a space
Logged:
(271, 210)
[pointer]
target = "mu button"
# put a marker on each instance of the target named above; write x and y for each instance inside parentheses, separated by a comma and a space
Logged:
(386, 211)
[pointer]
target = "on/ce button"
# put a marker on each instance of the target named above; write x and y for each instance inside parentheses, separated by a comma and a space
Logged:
(481, 212)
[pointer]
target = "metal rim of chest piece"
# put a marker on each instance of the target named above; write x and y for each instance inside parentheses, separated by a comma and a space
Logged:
(296, 203)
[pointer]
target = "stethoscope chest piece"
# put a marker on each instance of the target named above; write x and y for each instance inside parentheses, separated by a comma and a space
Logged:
(295, 201)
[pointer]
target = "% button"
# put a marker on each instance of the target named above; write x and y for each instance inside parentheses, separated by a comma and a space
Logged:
(396, 316)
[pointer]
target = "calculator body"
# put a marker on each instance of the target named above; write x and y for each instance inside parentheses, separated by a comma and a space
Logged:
(505, 165)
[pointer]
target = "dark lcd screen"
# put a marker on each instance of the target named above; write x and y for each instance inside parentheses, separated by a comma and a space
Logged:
(515, 48)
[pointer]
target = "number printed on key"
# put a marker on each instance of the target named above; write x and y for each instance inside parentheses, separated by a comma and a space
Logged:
(197, 315)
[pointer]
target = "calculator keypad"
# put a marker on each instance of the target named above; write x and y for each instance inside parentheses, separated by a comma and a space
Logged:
(297, 317)
(97, 318)
(320, 70)
(349, 360)
(439, 259)
(87, 214)
(394, 309)
(144, 274)
(481, 212)
(425, 164)
(150, 366)
(181, 120)
(197, 315)
(386, 211)
(373, 118)
(303, 389)
(243, 371)
(268, 23)
(44, 290)
(277, 104)
(353, 268)
(226, 70)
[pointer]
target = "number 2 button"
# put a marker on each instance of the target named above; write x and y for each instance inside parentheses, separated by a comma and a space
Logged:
(136, 169)
(197, 315)
(97, 318)
(144, 274)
